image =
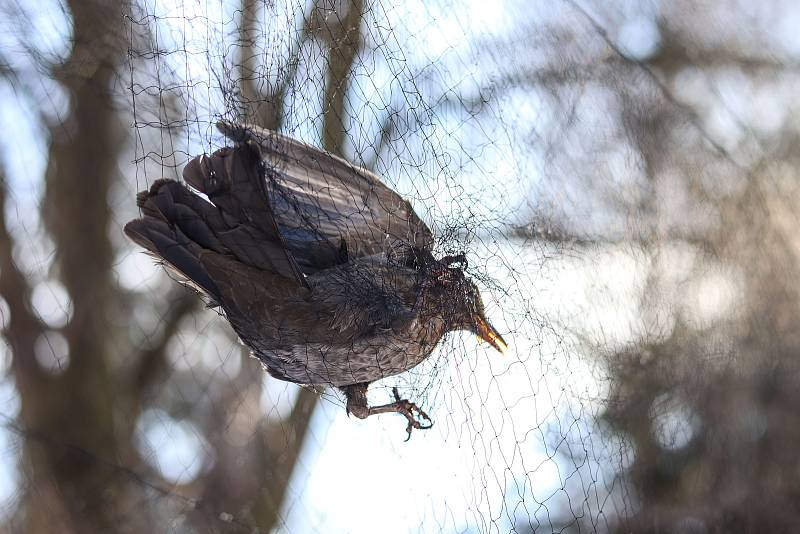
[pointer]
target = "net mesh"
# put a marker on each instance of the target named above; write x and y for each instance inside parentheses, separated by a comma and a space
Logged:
(619, 175)
(512, 437)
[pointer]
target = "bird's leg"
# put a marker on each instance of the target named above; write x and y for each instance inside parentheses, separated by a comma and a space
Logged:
(357, 405)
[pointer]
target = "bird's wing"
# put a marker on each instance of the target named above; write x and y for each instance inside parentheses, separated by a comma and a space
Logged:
(364, 294)
(232, 180)
(184, 229)
(326, 208)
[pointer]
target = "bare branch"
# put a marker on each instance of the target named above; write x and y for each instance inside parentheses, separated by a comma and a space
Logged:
(266, 108)
(648, 71)
(287, 436)
(152, 362)
(388, 130)
(345, 43)
(23, 326)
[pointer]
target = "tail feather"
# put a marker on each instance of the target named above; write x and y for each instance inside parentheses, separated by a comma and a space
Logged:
(183, 228)
(233, 180)
(171, 202)
(173, 247)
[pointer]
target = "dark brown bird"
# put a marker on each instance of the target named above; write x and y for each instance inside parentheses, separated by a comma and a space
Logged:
(321, 269)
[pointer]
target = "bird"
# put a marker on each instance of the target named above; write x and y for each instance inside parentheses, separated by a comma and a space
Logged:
(324, 272)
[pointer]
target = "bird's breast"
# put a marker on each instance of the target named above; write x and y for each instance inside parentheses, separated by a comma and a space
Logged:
(368, 359)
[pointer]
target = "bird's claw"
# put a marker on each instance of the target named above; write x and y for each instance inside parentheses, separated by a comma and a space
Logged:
(408, 409)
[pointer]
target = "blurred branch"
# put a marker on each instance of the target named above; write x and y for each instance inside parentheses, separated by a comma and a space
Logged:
(345, 40)
(548, 230)
(648, 71)
(675, 54)
(78, 404)
(260, 468)
(287, 435)
(8, 72)
(266, 108)
(388, 131)
(75, 217)
(23, 327)
(152, 361)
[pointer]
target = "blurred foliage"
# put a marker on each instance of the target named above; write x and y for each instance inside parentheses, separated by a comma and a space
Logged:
(693, 169)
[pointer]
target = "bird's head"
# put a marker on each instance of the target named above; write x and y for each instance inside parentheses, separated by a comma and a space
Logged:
(461, 303)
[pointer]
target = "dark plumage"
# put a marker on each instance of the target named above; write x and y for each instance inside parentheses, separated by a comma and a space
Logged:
(322, 270)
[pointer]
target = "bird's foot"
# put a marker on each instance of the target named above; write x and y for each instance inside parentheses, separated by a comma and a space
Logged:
(357, 405)
(408, 409)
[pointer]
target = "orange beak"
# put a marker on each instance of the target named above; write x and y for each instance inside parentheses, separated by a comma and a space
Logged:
(486, 332)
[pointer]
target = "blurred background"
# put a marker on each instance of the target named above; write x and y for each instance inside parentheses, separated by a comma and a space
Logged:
(620, 173)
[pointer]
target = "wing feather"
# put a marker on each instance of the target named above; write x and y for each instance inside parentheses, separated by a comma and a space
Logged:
(319, 199)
